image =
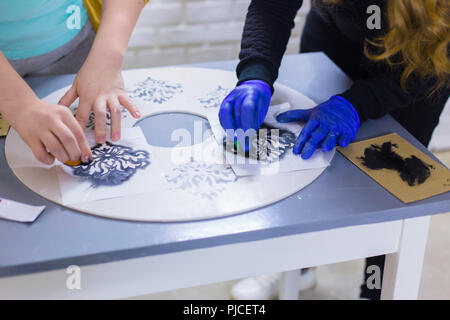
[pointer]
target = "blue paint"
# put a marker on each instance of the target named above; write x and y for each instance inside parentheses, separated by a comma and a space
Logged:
(213, 99)
(154, 90)
(112, 164)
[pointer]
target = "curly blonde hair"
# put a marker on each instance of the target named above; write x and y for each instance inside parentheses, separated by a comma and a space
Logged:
(418, 39)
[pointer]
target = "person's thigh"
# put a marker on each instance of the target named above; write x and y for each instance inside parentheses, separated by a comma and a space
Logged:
(65, 59)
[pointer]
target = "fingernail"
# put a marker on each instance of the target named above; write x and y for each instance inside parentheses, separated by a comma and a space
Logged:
(115, 136)
(344, 143)
(305, 156)
(101, 139)
(85, 159)
(137, 114)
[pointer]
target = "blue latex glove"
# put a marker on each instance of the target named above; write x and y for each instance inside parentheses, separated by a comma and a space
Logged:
(245, 108)
(332, 122)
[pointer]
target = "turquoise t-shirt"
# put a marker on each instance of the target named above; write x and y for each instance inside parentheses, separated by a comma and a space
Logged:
(30, 28)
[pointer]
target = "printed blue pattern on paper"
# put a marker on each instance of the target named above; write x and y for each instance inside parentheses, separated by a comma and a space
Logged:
(201, 179)
(214, 98)
(155, 91)
(112, 164)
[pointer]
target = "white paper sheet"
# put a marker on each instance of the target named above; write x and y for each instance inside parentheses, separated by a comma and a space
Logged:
(282, 158)
(120, 171)
(16, 211)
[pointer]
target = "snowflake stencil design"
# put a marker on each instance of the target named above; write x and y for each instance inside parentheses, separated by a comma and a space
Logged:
(91, 121)
(214, 98)
(155, 91)
(112, 164)
(201, 179)
(269, 144)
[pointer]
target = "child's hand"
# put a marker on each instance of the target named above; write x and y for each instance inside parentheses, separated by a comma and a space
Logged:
(99, 85)
(51, 131)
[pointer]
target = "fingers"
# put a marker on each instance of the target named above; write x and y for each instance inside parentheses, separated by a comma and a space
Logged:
(330, 141)
(237, 113)
(41, 153)
(261, 110)
(226, 117)
(100, 120)
(83, 112)
(293, 115)
(116, 117)
(80, 138)
(69, 97)
(127, 104)
(248, 114)
(68, 141)
(344, 141)
(317, 136)
(305, 135)
(55, 147)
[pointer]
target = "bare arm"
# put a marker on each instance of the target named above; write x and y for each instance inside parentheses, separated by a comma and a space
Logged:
(99, 84)
(14, 92)
(49, 130)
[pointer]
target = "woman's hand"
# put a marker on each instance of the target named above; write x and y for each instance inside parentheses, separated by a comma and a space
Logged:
(99, 87)
(332, 122)
(245, 107)
(51, 131)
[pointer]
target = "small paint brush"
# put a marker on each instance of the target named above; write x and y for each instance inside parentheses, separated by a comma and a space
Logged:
(72, 163)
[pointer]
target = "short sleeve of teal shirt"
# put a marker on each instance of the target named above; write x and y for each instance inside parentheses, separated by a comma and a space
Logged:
(29, 28)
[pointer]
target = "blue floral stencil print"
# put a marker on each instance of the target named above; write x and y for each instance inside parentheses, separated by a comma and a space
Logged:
(213, 99)
(91, 121)
(112, 164)
(154, 90)
(201, 179)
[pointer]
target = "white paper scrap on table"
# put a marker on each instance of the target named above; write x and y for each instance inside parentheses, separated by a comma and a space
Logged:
(21, 212)
(124, 167)
(280, 157)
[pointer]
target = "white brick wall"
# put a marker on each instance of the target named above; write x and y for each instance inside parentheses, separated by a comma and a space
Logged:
(187, 31)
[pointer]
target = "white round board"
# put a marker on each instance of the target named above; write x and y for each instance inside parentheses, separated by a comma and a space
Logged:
(203, 190)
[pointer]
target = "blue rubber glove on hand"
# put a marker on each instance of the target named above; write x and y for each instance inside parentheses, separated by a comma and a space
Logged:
(245, 107)
(332, 122)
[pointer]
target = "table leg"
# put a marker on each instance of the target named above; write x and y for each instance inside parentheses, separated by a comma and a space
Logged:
(403, 269)
(289, 285)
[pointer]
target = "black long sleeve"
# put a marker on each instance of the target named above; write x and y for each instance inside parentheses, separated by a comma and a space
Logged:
(266, 33)
(382, 94)
(341, 33)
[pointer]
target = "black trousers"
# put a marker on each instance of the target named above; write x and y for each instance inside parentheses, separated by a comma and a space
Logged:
(419, 119)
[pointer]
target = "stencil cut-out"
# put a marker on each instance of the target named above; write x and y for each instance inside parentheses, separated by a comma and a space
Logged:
(147, 195)
(269, 144)
(112, 164)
